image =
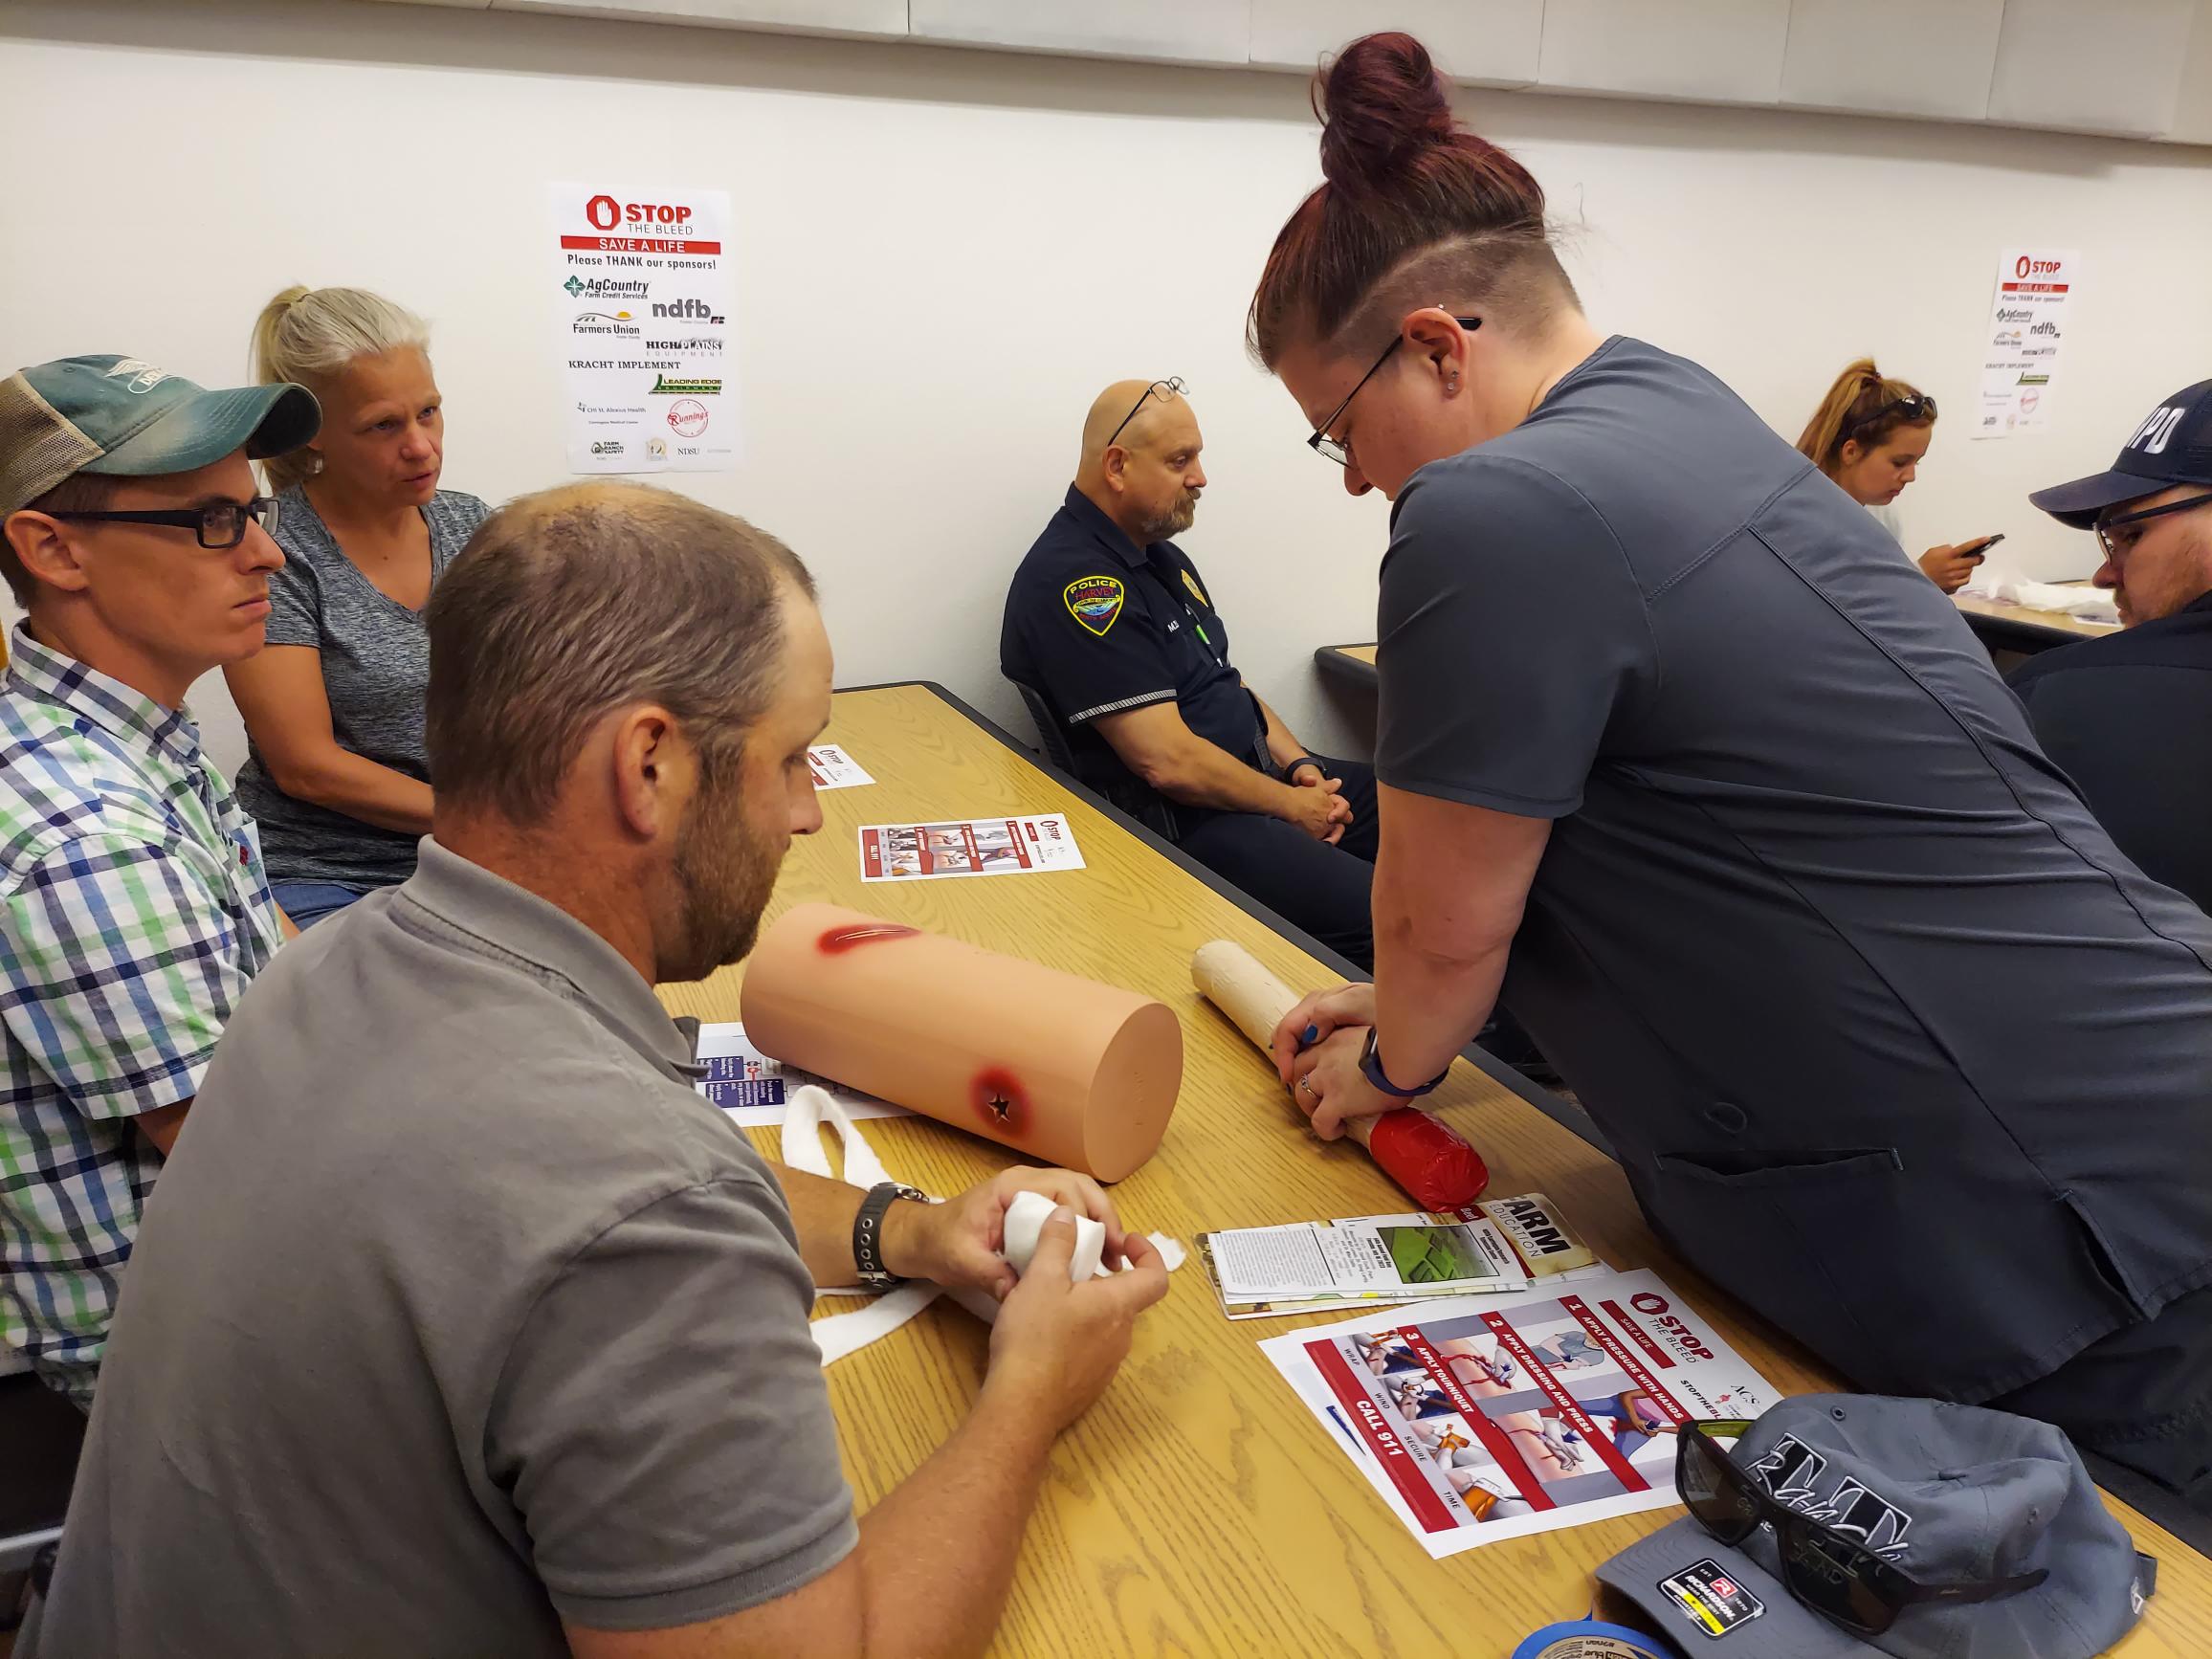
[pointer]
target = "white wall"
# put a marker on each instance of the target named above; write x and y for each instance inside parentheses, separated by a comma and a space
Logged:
(943, 255)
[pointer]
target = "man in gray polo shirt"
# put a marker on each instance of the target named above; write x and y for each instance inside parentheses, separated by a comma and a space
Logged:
(464, 1326)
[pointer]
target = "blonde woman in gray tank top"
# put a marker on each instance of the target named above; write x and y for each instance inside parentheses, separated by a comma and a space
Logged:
(335, 774)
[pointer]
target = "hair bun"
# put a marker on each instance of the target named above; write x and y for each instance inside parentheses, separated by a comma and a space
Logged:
(1381, 100)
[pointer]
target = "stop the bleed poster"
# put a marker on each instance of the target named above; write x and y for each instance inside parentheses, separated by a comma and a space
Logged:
(645, 308)
(1479, 1418)
(2028, 319)
(1025, 846)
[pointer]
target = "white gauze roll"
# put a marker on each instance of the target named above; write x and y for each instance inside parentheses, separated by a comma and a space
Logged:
(1026, 1219)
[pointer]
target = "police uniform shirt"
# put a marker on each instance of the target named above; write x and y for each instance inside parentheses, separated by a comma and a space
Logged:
(1889, 1038)
(1098, 625)
(2129, 719)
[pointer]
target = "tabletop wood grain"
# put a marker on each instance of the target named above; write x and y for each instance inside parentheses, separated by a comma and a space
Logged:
(1198, 1509)
(2005, 611)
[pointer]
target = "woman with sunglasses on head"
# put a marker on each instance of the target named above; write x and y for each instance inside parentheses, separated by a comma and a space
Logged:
(333, 707)
(1870, 435)
(1677, 756)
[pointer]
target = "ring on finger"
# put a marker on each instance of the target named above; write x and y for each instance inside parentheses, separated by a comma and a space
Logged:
(1307, 1084)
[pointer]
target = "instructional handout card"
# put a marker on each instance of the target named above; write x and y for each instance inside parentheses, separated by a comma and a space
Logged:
(754, 1090)
(1493, 1245)
(835, 769)
(973, 847)
(1485, 1418)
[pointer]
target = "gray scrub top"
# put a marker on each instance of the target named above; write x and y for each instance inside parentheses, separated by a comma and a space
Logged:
(1890, 1038)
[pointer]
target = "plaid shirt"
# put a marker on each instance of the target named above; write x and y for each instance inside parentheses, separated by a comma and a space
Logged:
(133, 911)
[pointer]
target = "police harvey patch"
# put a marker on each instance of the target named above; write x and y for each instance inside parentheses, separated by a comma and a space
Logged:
(1095, 602)
(1196, 591)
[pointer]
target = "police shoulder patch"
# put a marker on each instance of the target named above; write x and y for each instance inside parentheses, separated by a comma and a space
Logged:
(1095, 602)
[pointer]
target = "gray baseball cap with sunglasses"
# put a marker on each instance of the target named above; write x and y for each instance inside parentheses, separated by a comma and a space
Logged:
(123, 417)
(1928, 1530)
(2172, 445)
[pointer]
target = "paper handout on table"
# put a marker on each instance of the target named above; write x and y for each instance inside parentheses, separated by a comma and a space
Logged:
(1482, 1418)
(835, 769)
(1500, 1244)
(754, 1090)
(1019, 846)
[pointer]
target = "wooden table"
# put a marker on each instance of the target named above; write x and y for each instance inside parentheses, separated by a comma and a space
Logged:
(2003, 626)
(1350, 664)
(1198, 1509)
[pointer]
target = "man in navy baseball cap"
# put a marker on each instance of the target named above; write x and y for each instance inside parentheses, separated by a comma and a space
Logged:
(2129, 718)
(2151, 509)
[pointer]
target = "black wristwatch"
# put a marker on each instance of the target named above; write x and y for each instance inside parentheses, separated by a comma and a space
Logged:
(1371, 1068)
(868, 1233)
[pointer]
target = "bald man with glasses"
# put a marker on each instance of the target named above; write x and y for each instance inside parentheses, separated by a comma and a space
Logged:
(1109, 627)
(2129, 718)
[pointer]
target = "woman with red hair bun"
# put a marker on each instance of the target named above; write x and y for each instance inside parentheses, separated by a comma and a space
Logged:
(1676, 752)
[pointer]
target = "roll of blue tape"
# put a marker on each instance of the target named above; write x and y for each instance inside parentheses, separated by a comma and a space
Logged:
(1588, 1639)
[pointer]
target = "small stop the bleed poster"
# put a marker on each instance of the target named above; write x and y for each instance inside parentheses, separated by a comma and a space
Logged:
(1018, 845)
(644, 314)
(835, 769)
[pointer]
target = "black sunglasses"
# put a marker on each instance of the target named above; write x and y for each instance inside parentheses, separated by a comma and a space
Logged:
(1912, 410)
(1171, 387)
(1336, 449)
(2105, 527)
(1830, 1572)
(219, 524)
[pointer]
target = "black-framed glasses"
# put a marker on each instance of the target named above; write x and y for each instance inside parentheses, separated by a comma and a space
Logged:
(219, 524)
(1912, 410)
(1830, 1572)
(1336, 449)
(2116, 547)
(1171, 387)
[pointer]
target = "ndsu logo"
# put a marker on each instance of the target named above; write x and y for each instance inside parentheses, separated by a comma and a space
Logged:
(606, 212)
(1797, 1475)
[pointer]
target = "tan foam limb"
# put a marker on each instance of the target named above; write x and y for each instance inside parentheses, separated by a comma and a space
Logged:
(1067, 1070)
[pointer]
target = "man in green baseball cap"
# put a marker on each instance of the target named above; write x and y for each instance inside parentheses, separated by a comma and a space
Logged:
(133, 903)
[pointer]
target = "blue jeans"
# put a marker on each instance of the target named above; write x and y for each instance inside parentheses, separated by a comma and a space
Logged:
(308, 902)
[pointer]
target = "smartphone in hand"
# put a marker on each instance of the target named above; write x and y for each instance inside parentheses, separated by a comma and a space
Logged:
(1977, 549)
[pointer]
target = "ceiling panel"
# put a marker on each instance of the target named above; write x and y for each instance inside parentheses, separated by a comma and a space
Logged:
(1178, 31)
(1912, 57)
(2114, 66)
(1484, 43)
(1724, 51)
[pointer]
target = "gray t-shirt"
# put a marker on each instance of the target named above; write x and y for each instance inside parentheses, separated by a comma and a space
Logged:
(1888, 1037)
(376, 668)
(458, 1310)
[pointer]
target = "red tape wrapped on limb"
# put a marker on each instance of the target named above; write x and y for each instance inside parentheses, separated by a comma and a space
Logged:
(1421, 1154)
